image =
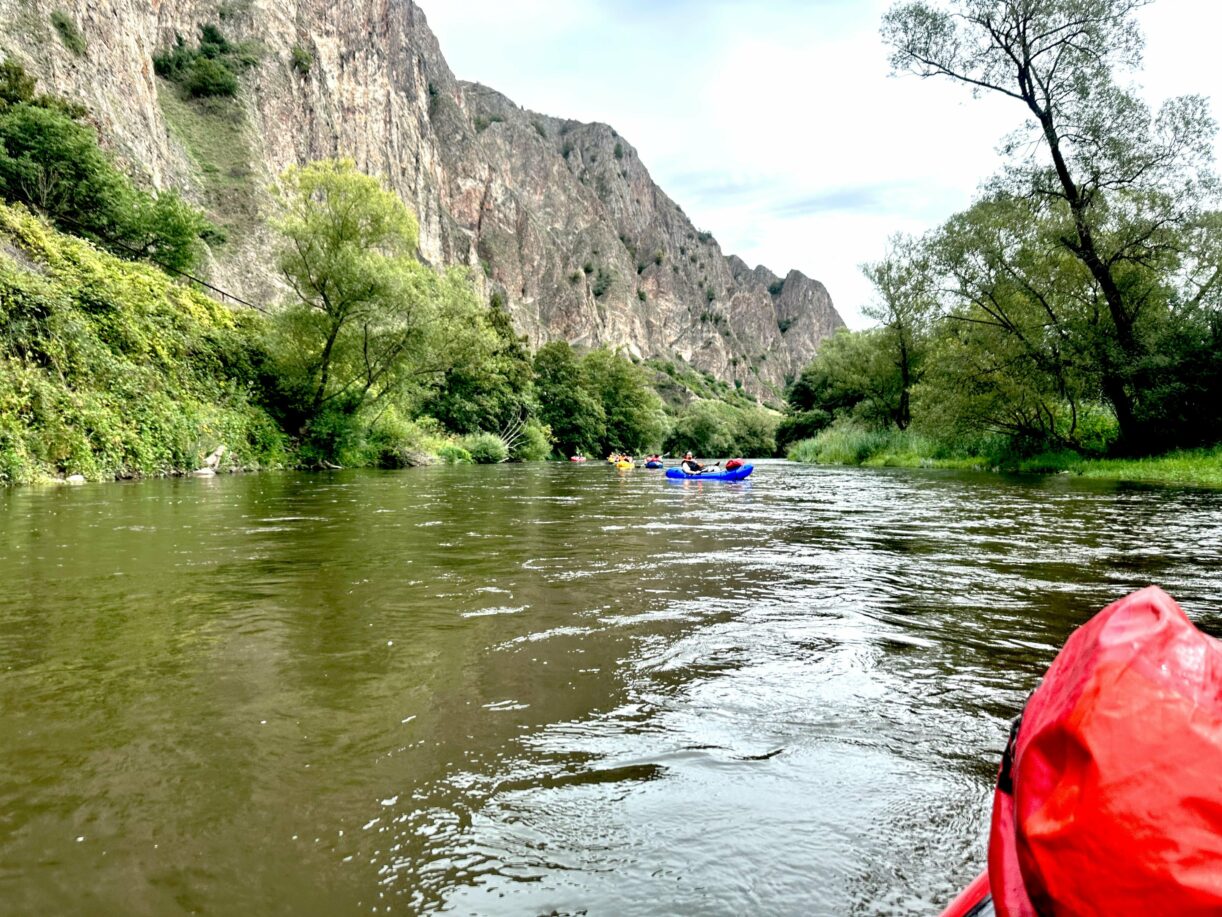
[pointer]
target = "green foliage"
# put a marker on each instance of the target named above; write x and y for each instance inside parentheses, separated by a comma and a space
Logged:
(369, 326)
(492, 387)
(483, 122)
(51, 161)
(454, 454)
(210, 69)
(207, 78)
(534, 443)
(485, 448)
(800, 425)
(634, 417)
(619, 150)
(641, 295)
(588, 268)
(110, 369)
(540, 129)
(68, 32)
(302, 60)
(717, 428)
(567, 404)
(602, 283)
(1083, 261)
(849, 443)
(775, 288)
(658, 255)
(704, 237)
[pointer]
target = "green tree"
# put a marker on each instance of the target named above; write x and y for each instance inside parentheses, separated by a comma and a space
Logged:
(853, 375)
(702, 428)
(369, 323)
(903, 283)
(493, 391)
(635, 421)
(1126, 185)
(566, 405)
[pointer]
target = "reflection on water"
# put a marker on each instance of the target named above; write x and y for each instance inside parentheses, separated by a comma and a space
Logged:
(519, 690)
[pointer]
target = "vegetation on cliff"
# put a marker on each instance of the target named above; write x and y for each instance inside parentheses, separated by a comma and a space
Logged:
(50, 161)
(112, 369)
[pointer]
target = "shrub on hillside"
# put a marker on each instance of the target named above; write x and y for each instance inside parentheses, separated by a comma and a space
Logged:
(68, 32)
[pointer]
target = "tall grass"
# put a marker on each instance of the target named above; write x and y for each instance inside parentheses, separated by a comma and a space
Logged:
(850, 444)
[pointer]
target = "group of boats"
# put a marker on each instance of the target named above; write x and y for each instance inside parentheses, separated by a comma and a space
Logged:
(734, 470)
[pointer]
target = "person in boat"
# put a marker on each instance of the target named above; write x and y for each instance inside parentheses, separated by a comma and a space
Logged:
(690, 465)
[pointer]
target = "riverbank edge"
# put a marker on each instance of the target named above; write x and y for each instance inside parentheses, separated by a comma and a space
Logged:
(1188, 467)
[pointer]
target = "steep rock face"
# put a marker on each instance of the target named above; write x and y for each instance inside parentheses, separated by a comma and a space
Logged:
(560, 216)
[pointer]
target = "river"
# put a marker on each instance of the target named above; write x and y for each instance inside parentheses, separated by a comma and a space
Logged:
(525, 690)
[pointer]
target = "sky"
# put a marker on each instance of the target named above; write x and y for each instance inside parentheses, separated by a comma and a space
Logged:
(777, 125)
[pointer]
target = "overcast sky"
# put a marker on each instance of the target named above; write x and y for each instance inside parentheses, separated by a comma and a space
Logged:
(775, 124)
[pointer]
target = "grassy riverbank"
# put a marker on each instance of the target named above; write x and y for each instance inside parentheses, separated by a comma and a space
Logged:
(845, 445)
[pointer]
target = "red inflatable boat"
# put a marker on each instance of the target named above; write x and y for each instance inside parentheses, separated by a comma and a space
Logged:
(1109, 795)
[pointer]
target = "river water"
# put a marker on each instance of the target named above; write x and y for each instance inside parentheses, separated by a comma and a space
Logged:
(540, 689)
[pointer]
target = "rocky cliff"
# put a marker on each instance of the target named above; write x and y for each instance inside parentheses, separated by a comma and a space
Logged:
(561, 217)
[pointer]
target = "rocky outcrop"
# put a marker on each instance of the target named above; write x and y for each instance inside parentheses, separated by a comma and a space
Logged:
(561, 217)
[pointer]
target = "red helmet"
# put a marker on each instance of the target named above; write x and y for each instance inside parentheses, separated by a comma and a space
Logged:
(1109, 800)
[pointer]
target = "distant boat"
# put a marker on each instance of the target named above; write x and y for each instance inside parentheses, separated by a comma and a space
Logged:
(577, 458)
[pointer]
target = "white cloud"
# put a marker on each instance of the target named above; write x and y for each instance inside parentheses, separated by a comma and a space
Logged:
(775, 125)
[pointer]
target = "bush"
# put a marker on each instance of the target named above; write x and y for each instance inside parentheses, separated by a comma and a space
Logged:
(210, 78)
(485, 448)
(68, 33)
(454, 454)
(303, 60)
(602, 283)
(619, 150)
(208, 70)
(640, 294)
(775, 288)
(534, 444)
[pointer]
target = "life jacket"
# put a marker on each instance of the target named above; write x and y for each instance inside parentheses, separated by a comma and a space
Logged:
(1109, 800)
(734, 463)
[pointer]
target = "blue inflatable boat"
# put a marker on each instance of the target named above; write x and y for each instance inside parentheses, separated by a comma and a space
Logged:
(678, 474)
(653, 464)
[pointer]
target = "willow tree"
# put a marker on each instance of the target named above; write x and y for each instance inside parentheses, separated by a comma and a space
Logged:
(369, 322)
(1129, 186)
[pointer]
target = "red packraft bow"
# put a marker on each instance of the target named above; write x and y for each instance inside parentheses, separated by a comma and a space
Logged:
(1109, 799)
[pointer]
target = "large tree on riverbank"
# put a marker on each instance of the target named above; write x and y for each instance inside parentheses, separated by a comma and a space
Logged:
(370, 324)
(1130, 189)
